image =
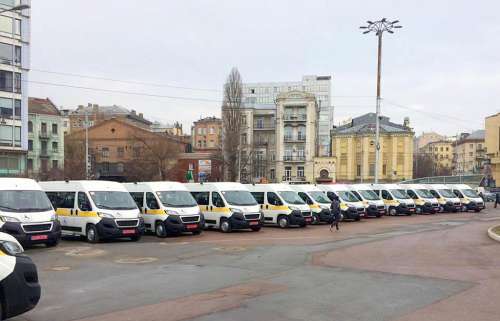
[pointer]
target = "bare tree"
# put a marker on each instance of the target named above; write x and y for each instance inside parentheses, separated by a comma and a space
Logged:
(235, 152)
(74, 158)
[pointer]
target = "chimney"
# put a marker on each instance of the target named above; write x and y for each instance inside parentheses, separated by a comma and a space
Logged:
(141, 115)
(406, 122)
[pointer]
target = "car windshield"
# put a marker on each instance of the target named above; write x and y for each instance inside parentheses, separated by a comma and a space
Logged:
(241, 198)
(424, 193)
(24, 201)
(470, 193)
(291, 197)
(176, 198)
(369, 195)
(319, 197)
(447, 193)
(113, 200)
(399, 193)
(347, 196)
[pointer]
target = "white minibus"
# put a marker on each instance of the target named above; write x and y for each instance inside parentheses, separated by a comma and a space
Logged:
(374, 205)
(448, 201)
(26, 213)
(317, 201)
(97, 210)
(351, 207)
(396, 200)
(168, 208)
(227, 206)
(469, 198)
(425, 202)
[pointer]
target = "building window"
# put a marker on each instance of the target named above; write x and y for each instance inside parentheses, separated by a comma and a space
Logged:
(30, 145)
(9, 163)
(55, 147)
(6, 81)
(120, 151)
(54, 129)
(384, 169)
(105, 152)
(29, 164)
(6, 138)
(30, 126)
(137, 151)
(371, 168)
(55, 164)
(471, 146)
(260, 123)
(272, 174)
(300, 171)
(288, 173)
(471, 153)
(212, 130)
(45, 165)
(43, 128)
(199, 143)
(358, 170)
(44, 148)
(6, 54)
(6, 110)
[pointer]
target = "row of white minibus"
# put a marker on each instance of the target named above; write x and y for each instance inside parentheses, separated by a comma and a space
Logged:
(41, 212)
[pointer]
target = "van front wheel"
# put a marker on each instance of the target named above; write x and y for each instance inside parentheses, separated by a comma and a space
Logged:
(92, 234)
(283, 221)
(225, 225)
(160, 230)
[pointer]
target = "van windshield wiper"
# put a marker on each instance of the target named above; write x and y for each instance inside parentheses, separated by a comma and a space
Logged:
(9, 208)
(105, 207)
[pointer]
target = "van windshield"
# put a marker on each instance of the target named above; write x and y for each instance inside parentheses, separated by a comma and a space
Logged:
(319, 197)
(347, 196)
(447, 193)
(113, 200)
(176, 198)
(470, 193)
(291, 197)
(424, 193)
(369, 195)
(24, 201)
(241, 198)
(400, 194)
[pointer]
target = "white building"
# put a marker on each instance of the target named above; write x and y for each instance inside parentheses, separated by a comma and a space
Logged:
(320, 86)
(14, 67)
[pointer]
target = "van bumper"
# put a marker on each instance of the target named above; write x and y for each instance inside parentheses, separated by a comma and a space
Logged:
(374, 211)
(428, 208)
(238, 222)
(474, 206)
(351, 214)
(450, 207)
(27, 239)
(296, 218)
(108, 229)
(325, 216)
(403, 209)
(20, 290)
(174, 225)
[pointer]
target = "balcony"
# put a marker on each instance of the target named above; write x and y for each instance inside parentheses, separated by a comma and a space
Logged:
(295, 139)
(264, 126)
(43, 135)
(295, 117)
(294, 178)
(292, 159)
(44, 153)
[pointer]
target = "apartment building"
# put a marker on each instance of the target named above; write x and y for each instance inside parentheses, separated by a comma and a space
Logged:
(441, 152)
(353, 145)
(206, 134)
(14, 68)
(266, 93)
(469, 153)
(492, 143)
(174, 129)
(45, 139)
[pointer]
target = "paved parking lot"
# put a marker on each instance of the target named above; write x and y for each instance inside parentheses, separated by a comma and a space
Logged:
(436, 267)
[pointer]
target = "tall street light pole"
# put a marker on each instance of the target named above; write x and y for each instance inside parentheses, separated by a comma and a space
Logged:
(379, 27)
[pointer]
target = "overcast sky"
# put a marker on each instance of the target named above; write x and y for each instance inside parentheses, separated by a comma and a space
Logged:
(444, 62)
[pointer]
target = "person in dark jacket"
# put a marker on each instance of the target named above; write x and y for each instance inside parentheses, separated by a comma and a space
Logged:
(497, 199)
(335, 209)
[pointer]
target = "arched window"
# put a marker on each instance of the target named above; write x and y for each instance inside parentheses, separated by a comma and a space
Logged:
(324, 173)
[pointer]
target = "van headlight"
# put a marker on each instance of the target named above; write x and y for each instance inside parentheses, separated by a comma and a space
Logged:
(294, 208)
(9, 219)
(466, 201)
(11, 248)
(53, 217)
(236, 210)
(104, 215)
(169, 212)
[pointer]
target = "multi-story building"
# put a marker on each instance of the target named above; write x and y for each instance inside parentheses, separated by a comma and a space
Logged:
(353, 145)
(174, 129)
(426, 138)
(469, 153)
(45, 139)
(95, 114)
(441, 153)
(279, 141)
(320, 86)
(492, 142)
(206, 134)
(14, 67)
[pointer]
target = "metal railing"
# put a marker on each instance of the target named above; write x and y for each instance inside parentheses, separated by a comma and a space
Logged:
(295, 117)
(288, 158)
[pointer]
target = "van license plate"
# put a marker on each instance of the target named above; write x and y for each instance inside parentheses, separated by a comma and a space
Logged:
(192, 226)
(128, 232)
(254, 223)
(308, 219)
(412, 210)
(39, 237)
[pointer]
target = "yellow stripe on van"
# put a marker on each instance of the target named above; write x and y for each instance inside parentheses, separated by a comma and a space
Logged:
(63, 212)
(221, 210)
(2, 253)
(87, 214)
(155, 212)
(279, 208)
(314, 206)
(419, 202)
(67, 212)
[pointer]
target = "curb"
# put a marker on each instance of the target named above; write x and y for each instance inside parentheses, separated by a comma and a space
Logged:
(492, 234)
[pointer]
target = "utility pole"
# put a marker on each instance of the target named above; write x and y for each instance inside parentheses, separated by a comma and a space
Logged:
(87, 174)
(379, 27)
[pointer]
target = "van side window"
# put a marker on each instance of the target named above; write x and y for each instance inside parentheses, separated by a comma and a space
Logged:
(357, 195)
(138, 198)
(217, 200)
(459, 195)
(434, 193)
(306, 198)
(201, 197)
(386, 195)
(151, 201)
(259, 197)
(83, 202)
(412, 194)
(61, 199)
(273, 199)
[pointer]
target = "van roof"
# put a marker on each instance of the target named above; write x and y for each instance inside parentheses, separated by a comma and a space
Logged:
(436, 186)
(155, 186)
(386, 186)
(221, 186)
(333, 187)
(460, 186)
(305, 188)
(413, 186)
(359, 187)
(9, 183)
(270, 187)
(82, 185)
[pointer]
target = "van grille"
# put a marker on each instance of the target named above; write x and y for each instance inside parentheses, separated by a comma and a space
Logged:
(306, 213)
(381, 207)
(35, 228)
(127, 223)
(252, 216)
(190, 219)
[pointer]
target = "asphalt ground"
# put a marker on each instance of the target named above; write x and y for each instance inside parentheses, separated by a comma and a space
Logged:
(426, 267)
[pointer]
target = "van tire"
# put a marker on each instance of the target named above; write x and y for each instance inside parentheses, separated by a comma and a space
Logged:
(196, 232)
(160, 230)
(92, 235)
(392, 211)
(135, 238)
(316, 220)
(52, 243)
(225, 225)
(283, 221)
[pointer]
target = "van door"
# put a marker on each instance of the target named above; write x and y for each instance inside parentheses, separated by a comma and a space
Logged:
(217, 208)
(83, 213)
(274, 206)
(152, 206)
(203, 200)
(139, 201)
(64, 204)
(260, 198)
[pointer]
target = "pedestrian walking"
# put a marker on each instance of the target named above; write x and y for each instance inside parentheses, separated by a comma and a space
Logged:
(335, 210)
(497, 199)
